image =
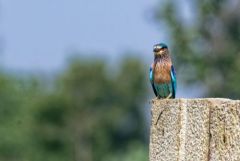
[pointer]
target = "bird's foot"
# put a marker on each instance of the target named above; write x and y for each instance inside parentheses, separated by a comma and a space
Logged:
(169, 96)
(158, 97)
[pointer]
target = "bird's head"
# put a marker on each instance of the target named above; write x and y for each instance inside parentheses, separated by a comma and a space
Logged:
(160, 50)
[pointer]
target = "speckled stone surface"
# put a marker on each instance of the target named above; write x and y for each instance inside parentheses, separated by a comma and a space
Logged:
(195, 130)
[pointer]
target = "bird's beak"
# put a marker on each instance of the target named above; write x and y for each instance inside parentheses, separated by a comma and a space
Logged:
(155, 50)
(158, 51)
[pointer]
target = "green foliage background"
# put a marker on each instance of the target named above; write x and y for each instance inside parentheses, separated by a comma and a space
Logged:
(92, 112)
(85, 113)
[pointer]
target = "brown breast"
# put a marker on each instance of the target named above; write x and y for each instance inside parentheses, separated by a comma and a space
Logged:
(162, 72)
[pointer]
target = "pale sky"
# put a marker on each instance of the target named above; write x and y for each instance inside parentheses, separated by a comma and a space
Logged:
(40, 34)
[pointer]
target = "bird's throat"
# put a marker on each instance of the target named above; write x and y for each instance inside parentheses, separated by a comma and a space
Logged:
(161, 69)
(162, 57)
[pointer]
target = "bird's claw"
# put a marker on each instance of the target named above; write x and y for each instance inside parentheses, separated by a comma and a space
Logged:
(170, 95)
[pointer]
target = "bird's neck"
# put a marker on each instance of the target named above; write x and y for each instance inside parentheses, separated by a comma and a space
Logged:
(163, 57)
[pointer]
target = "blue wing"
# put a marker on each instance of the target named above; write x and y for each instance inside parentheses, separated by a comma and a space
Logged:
(174, 81)
(151, 81)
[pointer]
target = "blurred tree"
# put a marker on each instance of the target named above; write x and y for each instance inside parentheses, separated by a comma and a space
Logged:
(9, 149)
(92, 114)
(16, 97)
(205, 44)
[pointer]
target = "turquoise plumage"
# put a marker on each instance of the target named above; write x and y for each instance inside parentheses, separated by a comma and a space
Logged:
(162, 74)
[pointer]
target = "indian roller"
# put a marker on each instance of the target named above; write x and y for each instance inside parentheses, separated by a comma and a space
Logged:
(162, 74)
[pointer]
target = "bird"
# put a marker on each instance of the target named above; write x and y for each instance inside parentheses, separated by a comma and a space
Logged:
(162, 73)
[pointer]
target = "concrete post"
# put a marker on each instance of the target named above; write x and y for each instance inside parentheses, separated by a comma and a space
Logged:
(195, 130)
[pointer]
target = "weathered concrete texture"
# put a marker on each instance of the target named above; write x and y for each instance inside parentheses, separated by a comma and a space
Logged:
(195, 130)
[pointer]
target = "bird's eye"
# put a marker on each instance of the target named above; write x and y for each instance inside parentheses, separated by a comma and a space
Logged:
(156, 48)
